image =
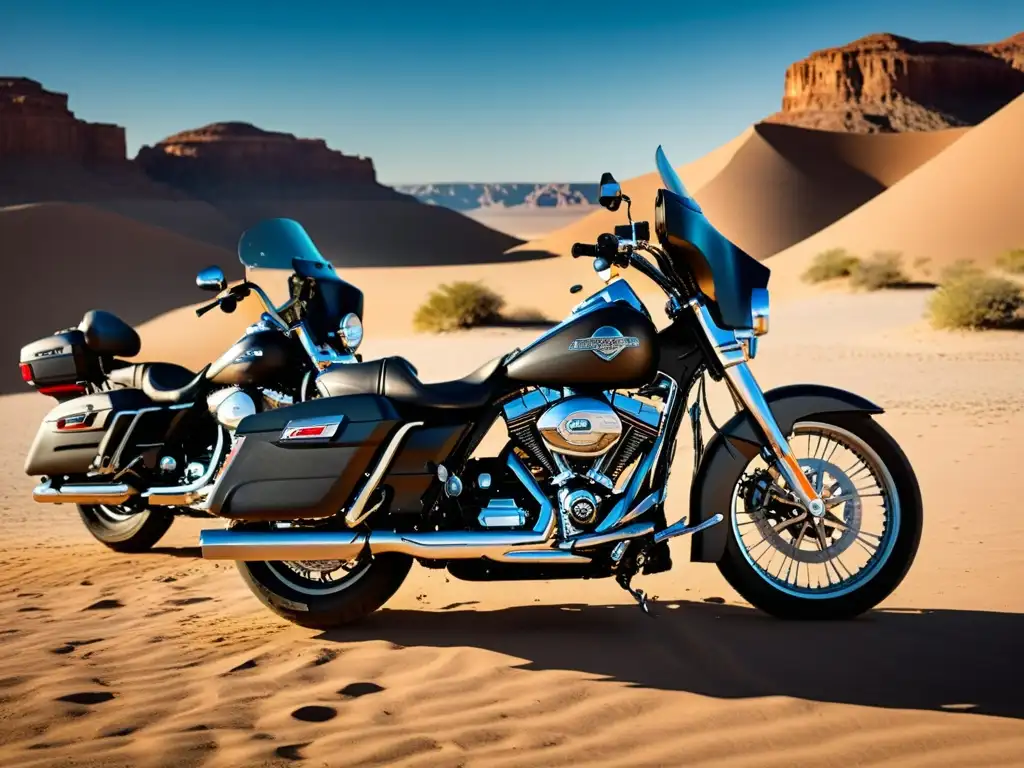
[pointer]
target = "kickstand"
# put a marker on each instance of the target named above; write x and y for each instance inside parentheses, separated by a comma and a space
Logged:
(624, 580)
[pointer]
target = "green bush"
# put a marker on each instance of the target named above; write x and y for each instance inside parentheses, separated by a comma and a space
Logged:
(458, 305)
(882, 270)
(1012, 261)
(975, 300)
(830, 265)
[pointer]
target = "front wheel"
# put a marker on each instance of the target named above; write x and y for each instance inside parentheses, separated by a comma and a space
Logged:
(325, 594)
(123, 530)
(793, 566)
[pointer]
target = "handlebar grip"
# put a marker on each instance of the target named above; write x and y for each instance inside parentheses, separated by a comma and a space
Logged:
(203, 310)
(583, 249)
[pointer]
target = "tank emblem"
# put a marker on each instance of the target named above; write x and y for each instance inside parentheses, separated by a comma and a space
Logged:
(249, 354)
(606, 342)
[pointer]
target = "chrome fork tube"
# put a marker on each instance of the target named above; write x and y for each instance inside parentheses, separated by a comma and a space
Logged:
(746, 388)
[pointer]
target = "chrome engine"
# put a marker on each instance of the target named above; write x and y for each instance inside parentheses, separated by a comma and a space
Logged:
(583, 445)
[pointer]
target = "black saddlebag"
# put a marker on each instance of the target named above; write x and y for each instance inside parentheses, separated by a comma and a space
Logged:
(69, 439)
(304, 461)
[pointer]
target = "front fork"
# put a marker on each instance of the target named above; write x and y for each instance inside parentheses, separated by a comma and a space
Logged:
(745, 387)
(732, 354)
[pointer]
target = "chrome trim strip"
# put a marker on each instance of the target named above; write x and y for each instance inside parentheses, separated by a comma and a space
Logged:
(598, 539)
(642, 507)
(329, 423)
(357, 512)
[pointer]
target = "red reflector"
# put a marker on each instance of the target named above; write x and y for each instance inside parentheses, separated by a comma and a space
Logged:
(306, 432)
(63, 389)
(26, 372)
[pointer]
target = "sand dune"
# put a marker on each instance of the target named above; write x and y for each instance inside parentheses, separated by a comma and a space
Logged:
(552, 673)
(60, 260)
(775, 185)
(966, 203)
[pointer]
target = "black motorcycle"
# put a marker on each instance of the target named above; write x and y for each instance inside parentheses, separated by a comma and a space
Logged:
(134, 444)
(331, 500)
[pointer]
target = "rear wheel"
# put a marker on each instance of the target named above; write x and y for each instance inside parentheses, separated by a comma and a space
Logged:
(123, 530)
(791, 565)
(325, 594)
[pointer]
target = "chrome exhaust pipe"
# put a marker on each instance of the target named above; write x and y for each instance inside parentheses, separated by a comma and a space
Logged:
(110, 495)
(293, 544)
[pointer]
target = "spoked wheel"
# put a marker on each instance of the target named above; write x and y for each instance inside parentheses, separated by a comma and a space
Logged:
(793, 565)
(323, 594)
(125, 530)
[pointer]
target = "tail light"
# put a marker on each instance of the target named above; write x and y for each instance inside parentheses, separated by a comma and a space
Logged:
(62, 389)
(26, 373)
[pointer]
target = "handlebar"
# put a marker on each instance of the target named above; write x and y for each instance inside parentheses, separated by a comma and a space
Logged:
(228, 299)
(623, 250)
(583, 249)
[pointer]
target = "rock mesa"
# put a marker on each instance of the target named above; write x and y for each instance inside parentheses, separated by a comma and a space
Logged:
(37, 123)
(887, 83)
(241, 160)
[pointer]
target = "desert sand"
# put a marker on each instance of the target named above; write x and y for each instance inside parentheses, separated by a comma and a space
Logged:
(165, 659)
(965, 203)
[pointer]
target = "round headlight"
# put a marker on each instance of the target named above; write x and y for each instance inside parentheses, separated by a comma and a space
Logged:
(759, 311)
(351, 330)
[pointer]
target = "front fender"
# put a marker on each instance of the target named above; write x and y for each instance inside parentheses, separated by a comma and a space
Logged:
(721, 468)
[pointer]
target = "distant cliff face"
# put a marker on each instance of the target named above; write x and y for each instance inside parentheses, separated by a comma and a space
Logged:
(467, 197)
(241, 160)
(884, 83)
(36, 123)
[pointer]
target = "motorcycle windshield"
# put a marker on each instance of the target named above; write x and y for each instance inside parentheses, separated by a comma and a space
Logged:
(279, 244)
(725, 274)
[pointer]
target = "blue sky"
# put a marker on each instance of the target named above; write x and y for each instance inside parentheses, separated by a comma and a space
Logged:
(458, 91)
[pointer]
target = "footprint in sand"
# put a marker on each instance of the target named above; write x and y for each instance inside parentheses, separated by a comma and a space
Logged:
(70, 645)
(86, 697)
(105, 605)
(30, 594)
(31, 609)
(189, 600)
(250, 664)
(292, 751)
(315, 714)
(355, 690)
(325, 656)
(460, 605)
(715, 600)
(119, 732)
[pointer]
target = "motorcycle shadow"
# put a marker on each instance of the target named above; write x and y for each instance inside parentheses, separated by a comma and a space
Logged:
(943, 660)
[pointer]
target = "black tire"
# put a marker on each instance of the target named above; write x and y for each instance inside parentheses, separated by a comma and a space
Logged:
(377, 583)
(742, 576)
(130, 533)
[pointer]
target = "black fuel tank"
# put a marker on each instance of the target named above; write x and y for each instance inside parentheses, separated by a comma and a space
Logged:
(259, 358)
(611, 346)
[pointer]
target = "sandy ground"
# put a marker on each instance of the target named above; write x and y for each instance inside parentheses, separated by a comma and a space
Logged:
(165, 659)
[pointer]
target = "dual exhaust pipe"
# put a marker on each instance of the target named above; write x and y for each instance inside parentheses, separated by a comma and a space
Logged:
(114, 495)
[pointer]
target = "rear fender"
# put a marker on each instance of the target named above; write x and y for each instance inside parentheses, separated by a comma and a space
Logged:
(721, 468)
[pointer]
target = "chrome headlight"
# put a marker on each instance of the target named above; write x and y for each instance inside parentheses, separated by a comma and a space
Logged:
(351, 330)
(759, 310)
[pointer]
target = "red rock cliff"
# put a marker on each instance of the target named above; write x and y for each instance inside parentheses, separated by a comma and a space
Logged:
(238, 159)
(890, 83)
(35, 122)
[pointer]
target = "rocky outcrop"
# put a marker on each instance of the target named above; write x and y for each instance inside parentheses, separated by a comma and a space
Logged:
(36, 123)
(238, 160)
(887, 83)
(467, 197)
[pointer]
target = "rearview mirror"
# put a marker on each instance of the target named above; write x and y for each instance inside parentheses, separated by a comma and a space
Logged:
(610, 193)
(212, 279)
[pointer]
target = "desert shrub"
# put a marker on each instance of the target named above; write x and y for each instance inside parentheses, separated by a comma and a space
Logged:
(1012, 261)
(458, 305)
(958, 269)
(975, 300)
(830, 265)
(882, 270)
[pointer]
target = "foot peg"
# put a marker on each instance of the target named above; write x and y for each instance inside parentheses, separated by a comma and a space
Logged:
(680, 529)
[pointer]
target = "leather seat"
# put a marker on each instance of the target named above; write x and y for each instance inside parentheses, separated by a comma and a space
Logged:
(162, 382)
(396, 379)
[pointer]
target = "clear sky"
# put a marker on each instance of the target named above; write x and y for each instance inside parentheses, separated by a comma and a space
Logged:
(437, 90)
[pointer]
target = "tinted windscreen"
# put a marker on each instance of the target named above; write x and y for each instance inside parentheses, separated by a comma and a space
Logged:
(276, 244)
